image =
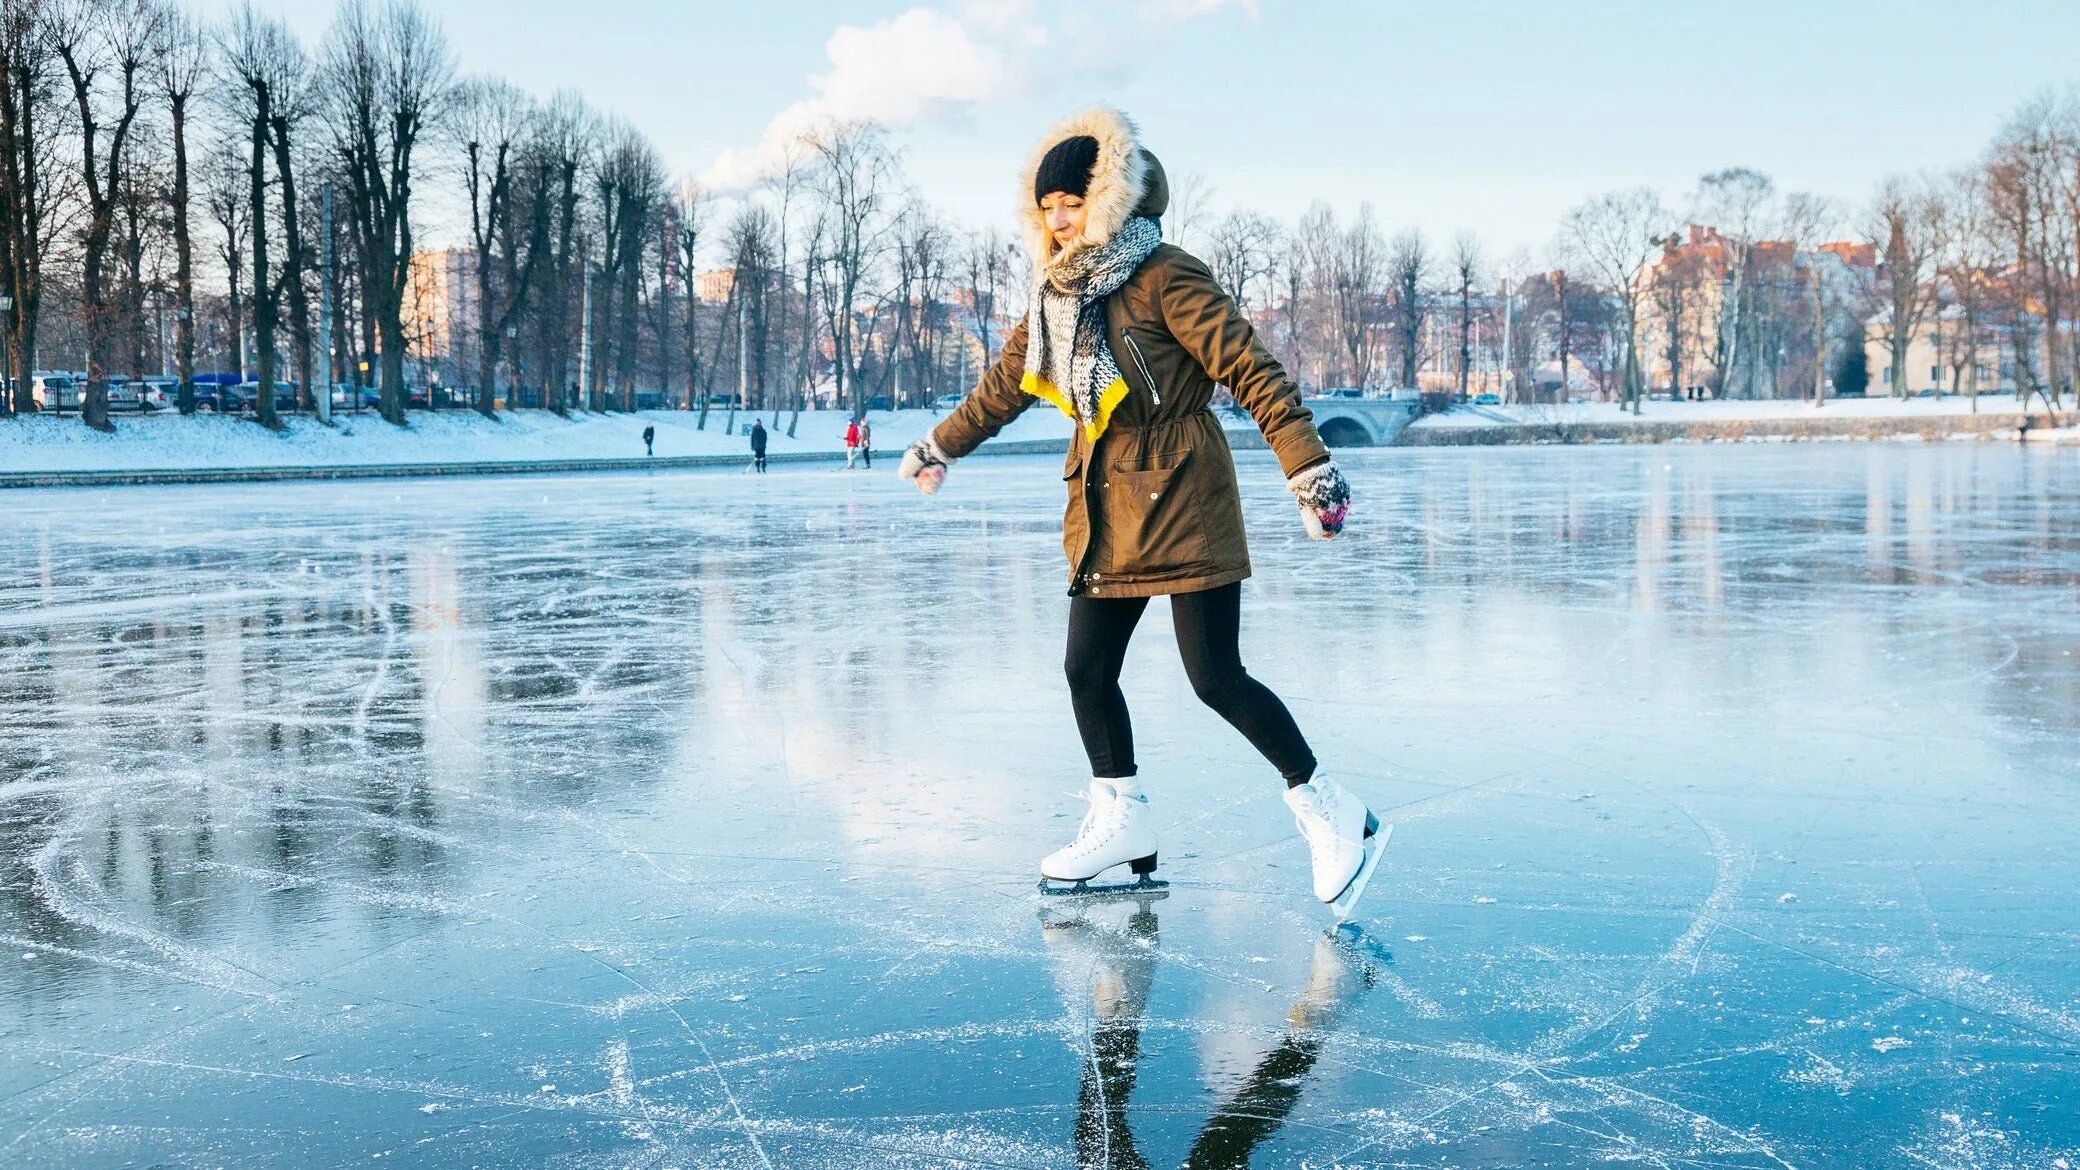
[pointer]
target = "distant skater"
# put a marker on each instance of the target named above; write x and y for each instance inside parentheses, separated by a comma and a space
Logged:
(1129, 337)
(758, 446)
(851, 443)
(866, 443)
(649, 441)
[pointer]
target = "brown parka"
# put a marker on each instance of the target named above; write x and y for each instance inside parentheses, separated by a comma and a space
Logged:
(1153, 506)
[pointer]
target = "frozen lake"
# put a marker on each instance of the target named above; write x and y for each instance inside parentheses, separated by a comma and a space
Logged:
(692, 820)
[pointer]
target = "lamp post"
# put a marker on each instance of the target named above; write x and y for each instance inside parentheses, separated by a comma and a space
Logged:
(7, 353)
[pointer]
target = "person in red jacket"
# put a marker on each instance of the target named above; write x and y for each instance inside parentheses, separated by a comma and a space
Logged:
(851, 443)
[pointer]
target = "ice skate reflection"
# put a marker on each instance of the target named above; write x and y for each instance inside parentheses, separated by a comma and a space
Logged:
(1103, 955)
(1342, 969)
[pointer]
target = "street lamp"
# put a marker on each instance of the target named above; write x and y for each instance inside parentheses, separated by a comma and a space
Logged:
(6, 354)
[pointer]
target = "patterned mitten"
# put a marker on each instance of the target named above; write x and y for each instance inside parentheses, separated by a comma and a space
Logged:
(1325, 499)
(925, 463)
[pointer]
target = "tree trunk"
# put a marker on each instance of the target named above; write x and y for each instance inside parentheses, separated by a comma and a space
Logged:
(295, 262)
(184, 261)
(264, 302)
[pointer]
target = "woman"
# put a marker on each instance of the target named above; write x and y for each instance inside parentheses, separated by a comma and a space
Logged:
(1128, 336)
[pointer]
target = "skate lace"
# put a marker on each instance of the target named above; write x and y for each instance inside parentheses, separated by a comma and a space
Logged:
(1094, 829)
(1314, 822)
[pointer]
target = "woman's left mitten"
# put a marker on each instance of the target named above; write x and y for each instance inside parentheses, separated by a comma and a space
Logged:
(1325, 499)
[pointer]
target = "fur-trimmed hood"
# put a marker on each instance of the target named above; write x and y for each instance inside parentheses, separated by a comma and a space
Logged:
(1126, 181)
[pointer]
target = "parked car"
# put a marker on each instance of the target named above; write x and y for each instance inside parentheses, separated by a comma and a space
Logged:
(1405, 394)
(947, 401)
(125, 395)
(429, 397)
(54, 391)
(284, 394)
(219, 398)
(155, 394)
(1487, 400)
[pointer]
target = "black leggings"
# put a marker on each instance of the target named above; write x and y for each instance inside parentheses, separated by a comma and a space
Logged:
(1208, 626)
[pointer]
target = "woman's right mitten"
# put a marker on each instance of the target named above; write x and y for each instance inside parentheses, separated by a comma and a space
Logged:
(925, 463)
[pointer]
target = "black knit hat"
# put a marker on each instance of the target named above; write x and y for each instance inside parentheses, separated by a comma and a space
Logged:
(1066, 168)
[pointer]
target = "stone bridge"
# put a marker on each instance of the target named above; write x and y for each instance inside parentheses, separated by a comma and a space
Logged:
(1361, 422)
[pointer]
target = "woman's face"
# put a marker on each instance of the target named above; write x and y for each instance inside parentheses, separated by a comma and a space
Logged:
(1065, 216)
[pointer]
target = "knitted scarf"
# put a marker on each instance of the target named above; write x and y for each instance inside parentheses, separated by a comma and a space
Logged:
(1068, 362)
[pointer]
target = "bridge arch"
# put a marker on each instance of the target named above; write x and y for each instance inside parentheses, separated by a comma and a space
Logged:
(1344, 431)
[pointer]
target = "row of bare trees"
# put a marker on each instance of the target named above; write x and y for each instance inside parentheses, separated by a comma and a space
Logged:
(187, 196)
(266, 199)
(125, 123)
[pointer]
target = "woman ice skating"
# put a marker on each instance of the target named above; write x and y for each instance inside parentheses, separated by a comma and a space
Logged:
(1128, 336)
(851, 443)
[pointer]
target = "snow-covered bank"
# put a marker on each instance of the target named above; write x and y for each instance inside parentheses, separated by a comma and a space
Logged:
(1730, 410)
(207, 442)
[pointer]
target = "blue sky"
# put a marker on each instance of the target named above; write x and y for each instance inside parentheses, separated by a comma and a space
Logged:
(1482, 115)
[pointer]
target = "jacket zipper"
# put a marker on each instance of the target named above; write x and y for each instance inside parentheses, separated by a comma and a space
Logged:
(1142, 365)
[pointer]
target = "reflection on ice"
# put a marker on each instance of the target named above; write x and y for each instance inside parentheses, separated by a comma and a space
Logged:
(691, 820)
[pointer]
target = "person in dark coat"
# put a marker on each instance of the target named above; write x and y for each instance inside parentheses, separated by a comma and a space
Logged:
(758, 445)
(649, 440)
(1129, 337)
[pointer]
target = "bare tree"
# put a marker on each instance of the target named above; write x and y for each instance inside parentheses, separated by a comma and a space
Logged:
(1190, 196)
(265, 67)
(492, 122)
(2035, 172)
(180, 72)
(749, 240)
(386, 77)
(1408, 276)
(107, 47)
(1903, 221)
(29, 126)
(689, 224)
(1737, 202)
(922, 246)
(228, 199)
(1614, 236)
(1242, 251)
(1809, 220)
(986, 271)
(1466, 268)
(549, 179)
(629, 184)
(856, 181)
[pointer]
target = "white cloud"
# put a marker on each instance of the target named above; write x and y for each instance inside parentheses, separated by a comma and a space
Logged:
(932, 61)
(895, 72)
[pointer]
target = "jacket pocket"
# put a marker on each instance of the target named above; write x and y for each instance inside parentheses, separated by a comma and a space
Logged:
(1153, 527)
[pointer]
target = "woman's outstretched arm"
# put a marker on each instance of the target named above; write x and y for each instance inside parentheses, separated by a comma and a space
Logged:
(995, 402)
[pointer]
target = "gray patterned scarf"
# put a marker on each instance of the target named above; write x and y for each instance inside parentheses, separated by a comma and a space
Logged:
(1067, 360)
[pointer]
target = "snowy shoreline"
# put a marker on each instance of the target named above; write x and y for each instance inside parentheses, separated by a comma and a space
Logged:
(57, 451)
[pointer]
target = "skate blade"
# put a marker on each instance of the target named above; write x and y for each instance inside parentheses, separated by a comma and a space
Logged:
(1089, 889)
(1345, 903)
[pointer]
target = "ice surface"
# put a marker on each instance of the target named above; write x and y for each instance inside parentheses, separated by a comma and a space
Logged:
(691, 820)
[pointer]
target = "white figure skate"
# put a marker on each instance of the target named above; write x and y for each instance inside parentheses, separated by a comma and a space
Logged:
(1118, 830)
(1344, 837)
